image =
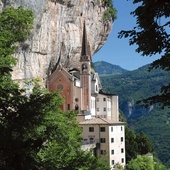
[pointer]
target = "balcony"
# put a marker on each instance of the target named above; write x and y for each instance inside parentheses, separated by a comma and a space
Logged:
(90, 144)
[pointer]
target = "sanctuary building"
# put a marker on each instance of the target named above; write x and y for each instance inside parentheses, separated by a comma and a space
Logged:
(98, 112)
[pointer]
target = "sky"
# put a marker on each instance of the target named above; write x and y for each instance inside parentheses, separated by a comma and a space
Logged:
(117, 51)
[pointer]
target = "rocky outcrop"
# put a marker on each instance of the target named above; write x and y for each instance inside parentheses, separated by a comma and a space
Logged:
(57, 34)
(133, 110)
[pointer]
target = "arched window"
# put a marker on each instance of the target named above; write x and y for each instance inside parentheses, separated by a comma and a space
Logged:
(84, 68)
(76, 107)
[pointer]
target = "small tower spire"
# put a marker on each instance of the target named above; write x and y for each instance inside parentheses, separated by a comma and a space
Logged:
(84, 42)
(85, 72)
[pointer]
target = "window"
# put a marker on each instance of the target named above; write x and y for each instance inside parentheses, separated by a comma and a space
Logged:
(91, 140)
(102, 129)
(76, 107)
(96, 88)
(102, 140)
(122, 160)
(113, 162)
(84, 68)
(112, 140)
(98, 109)
(97, 99)
(104, 109)
(111, 129)
(104, 99)
(122, 150)
(121, 128)
(68, 106)
(112, 152)
(103, 152)
(91, 129)
(121, 139)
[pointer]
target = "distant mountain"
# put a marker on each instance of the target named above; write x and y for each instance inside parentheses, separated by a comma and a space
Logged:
(137, 84)
(104, 68)
(132, 86)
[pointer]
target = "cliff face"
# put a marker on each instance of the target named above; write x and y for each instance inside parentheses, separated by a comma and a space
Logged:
(57, 35)
(133, 110)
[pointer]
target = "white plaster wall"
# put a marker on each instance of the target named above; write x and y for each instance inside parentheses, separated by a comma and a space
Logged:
(93, 105)
(115, 108)
(101, 105)
(117, 145)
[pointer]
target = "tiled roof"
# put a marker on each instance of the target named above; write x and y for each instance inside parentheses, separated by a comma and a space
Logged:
(99, 120)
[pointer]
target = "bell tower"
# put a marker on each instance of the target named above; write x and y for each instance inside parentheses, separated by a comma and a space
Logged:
(85, 73)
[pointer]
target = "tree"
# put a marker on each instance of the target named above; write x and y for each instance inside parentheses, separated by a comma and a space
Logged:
(118, 166)
(141, 163)
(15, 25)
(144, 144)
(151, 35)
(158, 165)
(131, 145)
(145, 162)
(35, 132)
(136, 144)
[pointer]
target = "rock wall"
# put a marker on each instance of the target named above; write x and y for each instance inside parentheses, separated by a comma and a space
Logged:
(57, 35)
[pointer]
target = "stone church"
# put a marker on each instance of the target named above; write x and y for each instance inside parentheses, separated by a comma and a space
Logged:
(98, 112)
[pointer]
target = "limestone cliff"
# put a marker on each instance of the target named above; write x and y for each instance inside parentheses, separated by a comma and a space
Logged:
(56, 37)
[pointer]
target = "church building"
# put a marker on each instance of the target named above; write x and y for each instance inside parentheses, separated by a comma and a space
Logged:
(98, 111)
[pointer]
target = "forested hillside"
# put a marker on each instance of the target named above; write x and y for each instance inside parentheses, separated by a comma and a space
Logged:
(132, 86)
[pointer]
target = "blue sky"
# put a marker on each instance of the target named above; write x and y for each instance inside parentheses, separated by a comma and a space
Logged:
(117, 51)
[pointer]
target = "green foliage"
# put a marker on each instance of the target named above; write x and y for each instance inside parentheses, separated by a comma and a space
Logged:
(89, 162)
(151, 35)
(141, 163)
(38, 135)
(111, 12)
(15, 25)
(158, 165)
(145, 162)
(136, 144)
(157, 126)
(144, 144)
(118, 166)
(137, 84)
(131, 145)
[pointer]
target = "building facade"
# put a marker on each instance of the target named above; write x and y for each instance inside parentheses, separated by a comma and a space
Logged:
(98, 112)
(108, 137)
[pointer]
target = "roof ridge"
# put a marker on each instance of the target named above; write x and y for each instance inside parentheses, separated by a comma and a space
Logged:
(104, 120)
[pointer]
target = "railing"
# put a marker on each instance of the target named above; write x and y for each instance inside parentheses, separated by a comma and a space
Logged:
(90, 144)
(94, 141)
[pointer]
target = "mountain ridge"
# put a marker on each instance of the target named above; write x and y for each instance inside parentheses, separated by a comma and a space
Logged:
(105, 68)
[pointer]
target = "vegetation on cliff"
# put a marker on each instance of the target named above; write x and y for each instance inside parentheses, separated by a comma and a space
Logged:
(111, 12)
